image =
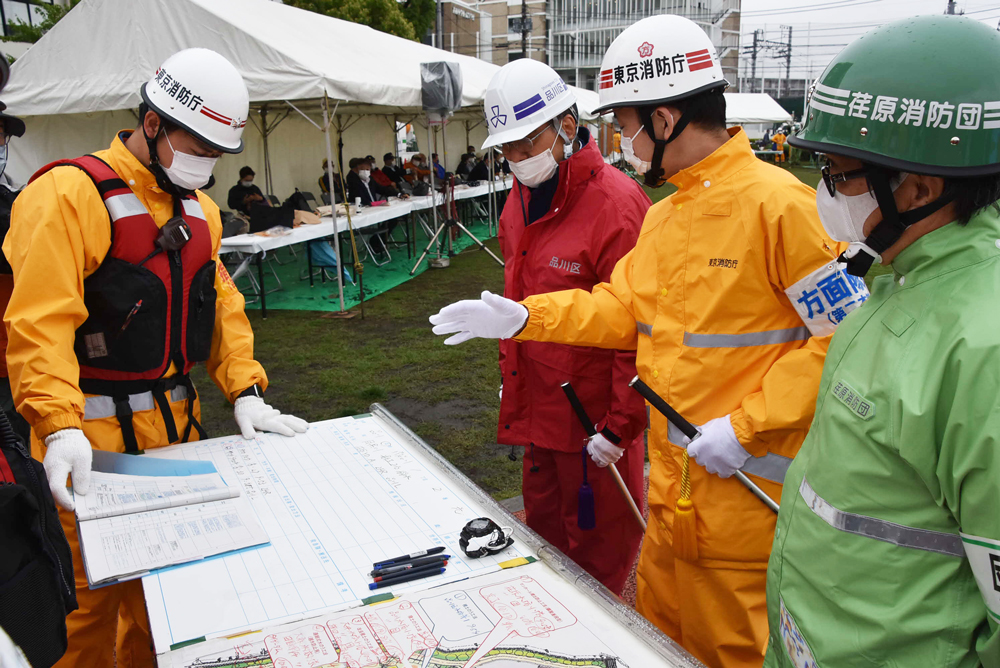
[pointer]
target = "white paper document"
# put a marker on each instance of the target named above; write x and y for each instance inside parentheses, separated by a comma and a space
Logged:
(124, 547)
(116, 494)
(131, 525)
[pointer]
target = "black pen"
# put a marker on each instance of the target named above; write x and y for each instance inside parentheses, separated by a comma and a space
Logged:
(411, 571)
(423, 561)
(408, 557)
(405, 578)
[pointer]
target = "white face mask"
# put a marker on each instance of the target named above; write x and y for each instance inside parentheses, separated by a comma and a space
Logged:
(246, 183)
(843, 216)
(536, 170)
(188, 171)
(365, 174)
(640, 166)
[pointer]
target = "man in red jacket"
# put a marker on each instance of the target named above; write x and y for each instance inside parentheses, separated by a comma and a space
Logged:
(569, 219)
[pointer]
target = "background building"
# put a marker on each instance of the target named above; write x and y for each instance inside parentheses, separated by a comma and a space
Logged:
(466, 29)
(492, 30)
(580, 31)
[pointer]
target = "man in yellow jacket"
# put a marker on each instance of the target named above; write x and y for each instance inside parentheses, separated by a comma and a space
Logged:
(118, 292)
(729, 298)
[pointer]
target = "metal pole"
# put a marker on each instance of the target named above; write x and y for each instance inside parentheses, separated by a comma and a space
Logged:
(524, 28)
(689, 430)
(430, 150)
(267, 153)
(327, 121)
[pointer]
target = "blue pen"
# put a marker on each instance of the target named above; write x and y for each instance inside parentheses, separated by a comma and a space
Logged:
(423, 561)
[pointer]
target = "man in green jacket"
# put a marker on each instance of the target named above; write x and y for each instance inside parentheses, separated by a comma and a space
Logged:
(887, 550)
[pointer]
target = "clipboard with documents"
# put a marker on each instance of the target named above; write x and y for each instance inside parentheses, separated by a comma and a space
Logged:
(144, 515)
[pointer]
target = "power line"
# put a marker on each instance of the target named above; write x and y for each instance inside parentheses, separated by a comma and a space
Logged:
(839, 4)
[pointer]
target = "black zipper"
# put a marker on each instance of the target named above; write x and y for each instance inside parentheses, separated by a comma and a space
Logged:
(43, 512)
(176, 309)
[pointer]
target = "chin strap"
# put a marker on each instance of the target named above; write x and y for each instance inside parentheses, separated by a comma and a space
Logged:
(859, 257)
(654, 177)
(162, 180)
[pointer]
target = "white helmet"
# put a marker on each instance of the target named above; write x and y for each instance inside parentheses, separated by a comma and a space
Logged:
(524, 94)
(201, 92)
(657, 60)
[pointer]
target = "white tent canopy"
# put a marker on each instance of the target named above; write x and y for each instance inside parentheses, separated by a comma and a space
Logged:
(744, 108)
(282, 52)
(77, 85)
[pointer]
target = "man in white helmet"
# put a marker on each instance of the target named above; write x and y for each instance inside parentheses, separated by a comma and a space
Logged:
(118, 293)
(569, 219)
(729, 297)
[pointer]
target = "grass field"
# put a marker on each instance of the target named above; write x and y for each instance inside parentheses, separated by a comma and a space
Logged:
(321, 368)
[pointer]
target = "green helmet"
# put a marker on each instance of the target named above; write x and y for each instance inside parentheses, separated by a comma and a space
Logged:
(920, 95)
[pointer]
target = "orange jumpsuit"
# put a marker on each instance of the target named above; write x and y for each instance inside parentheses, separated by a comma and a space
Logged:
(59, 235)
(702, 297)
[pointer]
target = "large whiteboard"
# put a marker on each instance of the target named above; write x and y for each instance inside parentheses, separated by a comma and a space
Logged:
(334, 500)
(524, 617)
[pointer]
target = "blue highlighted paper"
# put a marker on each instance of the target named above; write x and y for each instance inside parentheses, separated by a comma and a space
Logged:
(119, 462)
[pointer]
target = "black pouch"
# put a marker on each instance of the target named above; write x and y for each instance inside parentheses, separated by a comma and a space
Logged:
(121, 333)
(201, 313)
(37, 590)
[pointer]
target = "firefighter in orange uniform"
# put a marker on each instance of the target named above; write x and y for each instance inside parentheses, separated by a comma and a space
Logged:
(118, 293)
(729, 298)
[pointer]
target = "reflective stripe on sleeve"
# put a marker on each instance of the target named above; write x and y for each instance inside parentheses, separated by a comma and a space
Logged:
(643, 328)
(771, 466)
(101, 407)
(746, 340)
(888, 532)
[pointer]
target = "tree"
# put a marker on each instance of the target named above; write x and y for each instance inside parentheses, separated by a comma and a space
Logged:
(384, 15)
(22, 32)
(421, 14)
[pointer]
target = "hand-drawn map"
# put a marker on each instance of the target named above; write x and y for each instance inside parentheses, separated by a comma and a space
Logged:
(518, 618)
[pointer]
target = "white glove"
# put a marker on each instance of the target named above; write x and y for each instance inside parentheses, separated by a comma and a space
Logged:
(68, 451)
(253, 414)
(717, 449)
(603, 451)
(490, 317)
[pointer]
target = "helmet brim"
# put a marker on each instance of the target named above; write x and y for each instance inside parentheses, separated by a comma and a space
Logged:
(187, 128)
(893, 163)
(605, 108)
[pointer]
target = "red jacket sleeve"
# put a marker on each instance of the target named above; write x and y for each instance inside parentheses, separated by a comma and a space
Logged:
(626, 417)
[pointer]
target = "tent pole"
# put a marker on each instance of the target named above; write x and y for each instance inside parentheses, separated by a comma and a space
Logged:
(333, 200)
(433, 188)
(267, 153)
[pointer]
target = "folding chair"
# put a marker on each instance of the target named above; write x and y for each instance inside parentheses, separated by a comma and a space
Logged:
(311, 200)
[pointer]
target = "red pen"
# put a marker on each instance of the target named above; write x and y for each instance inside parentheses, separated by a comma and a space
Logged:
(128, 318)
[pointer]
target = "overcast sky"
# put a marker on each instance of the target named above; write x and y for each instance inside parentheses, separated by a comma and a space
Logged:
(821, 28)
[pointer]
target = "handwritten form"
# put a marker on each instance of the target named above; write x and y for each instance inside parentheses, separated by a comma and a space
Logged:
(114, 494)
(124, 547)
(334, 500)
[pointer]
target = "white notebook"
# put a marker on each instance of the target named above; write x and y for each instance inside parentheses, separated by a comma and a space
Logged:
(131, 525)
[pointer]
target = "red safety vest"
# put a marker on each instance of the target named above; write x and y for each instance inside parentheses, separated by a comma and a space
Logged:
(147, 308)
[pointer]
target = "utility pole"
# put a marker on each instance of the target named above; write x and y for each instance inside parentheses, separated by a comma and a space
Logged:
(758, 44)
(440, 25)
(788, 63)
(524, 28)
